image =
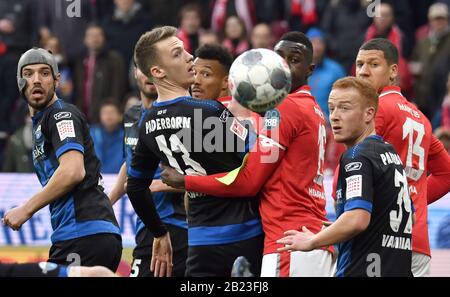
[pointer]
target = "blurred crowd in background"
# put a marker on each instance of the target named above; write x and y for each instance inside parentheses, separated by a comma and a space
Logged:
(93, 44)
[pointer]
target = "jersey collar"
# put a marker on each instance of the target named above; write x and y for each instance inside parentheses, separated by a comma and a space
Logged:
(168, 102)
(391, 90)
(39, 114)
(303, 90)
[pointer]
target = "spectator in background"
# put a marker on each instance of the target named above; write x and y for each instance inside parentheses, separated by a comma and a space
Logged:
(431, 61)
(18, 150)
(302, 14)
(345, 22)
(54, 19)
(445, 111)
(208, 37)
(235, 36)
(189, 29)
(108, 137)
(262, 36)
(16, 35)
(65, 89)
(223, 9)
(124, 27)
(384, 26)
(99, 74)
(131, 100)
(327, 71)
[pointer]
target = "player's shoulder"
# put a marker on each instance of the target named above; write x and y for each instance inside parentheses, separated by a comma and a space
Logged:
(207, 104)
(61, 110)
(369, 148)
(132, 113)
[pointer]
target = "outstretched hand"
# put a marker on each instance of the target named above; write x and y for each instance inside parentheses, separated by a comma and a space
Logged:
(297, 240)
(172, 178)
(161, 264)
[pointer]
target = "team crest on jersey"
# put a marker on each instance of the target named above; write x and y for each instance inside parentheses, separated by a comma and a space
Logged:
(239, 129)
(354, 187)
(353, 166)
(66, 129)
(38, 132)
(224, 116)
(62, 115)
(272, 119)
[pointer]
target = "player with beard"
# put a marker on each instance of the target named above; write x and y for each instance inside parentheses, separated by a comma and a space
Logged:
(84, 226)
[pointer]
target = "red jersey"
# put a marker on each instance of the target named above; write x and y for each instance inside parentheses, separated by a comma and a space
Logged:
(402, 124)
(289, 185)
(225, 100)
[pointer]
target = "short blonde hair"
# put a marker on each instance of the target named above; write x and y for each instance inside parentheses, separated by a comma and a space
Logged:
(365, 89)
(145, 54)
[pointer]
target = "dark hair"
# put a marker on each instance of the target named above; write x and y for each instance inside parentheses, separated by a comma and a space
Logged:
(190, 7)
(382, 44)
(215, 52)
(145, 54)
(299, 37)
(111, 102)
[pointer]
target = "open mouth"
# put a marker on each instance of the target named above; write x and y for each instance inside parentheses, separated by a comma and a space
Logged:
(336, 129)
(37, 92)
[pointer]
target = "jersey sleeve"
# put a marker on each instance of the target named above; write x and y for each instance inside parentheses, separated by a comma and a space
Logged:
(438, 182)
(380, 120)
(66, 131)
(143, 161)
(260, 164)
(140, 174)
(358, 183)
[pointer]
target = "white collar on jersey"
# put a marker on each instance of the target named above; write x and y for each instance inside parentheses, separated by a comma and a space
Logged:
(304, 92)
(390, 92)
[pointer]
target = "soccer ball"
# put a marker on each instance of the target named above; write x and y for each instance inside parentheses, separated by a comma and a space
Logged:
(259, 79)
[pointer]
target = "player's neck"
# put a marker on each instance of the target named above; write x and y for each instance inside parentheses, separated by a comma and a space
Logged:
(168, 90)
(146, 101)
(370, 130)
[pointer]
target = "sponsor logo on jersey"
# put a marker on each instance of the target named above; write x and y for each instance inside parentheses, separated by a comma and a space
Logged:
(128, 125)
(353, 166)
(239, 129)
(65, 129)
(272, 119)
(38, 151)
(62, 115)
(354, 187)
(132, 141)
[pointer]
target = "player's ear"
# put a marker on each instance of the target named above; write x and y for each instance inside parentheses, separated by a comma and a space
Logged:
(224, 84)
(57, 80)
(157, 72)
(370, 113)
(393, 73)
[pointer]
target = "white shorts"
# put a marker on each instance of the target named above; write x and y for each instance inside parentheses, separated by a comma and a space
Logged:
(316, 263)
(420, 265)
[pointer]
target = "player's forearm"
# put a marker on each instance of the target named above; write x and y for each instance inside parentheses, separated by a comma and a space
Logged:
(119, 187)
(63, 181)
(437, 187)
(347, 226)
(142, 201)
(158, 186)
(439, 168)
(248, 182)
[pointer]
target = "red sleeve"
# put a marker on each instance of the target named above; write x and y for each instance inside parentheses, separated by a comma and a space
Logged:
(248, 182)
(380, 120)
(438, 182)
